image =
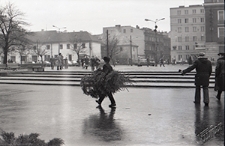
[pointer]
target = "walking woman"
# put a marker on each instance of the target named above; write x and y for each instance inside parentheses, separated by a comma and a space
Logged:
(219, 75)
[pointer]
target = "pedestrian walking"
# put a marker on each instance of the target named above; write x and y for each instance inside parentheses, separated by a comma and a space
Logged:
(219, 75)
(148, 62)
(52, 61)
(59, 61)
(86, 62)
(107, 68)
(162, 62)
(203, 71)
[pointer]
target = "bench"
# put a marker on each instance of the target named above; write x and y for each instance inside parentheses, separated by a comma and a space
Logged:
(38, 67)
(13, 66)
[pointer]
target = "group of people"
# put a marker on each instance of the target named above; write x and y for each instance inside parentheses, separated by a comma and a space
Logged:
(58, 62)
(93, 62)
(203, 71)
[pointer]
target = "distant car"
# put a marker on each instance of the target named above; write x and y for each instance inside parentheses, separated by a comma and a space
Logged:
(47, 63)
(75, 63)
(143, 62)
(70, 63)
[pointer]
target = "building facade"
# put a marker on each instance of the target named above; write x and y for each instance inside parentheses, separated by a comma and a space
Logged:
(130, 42)
(214, 15)
(157, 45)
(187, 31)
(50, 43)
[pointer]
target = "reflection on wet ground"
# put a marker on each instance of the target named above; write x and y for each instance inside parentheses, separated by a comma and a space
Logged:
(103, 126)
(155, 117)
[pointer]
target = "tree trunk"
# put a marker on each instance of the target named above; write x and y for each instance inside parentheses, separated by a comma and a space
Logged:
(5, 56)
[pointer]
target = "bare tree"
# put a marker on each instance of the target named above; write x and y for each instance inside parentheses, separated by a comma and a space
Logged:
(11, 28)
(77, 46)
(113, 48)
(40, 50)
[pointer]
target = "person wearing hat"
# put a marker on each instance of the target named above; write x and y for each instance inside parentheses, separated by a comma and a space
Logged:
(203, 71)
(219, 75)
(107, 68)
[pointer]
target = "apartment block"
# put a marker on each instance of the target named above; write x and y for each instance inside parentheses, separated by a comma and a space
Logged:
(187, 31)
(214, 26)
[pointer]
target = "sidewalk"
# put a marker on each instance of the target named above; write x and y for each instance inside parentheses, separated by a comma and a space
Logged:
(143, 117)
(131, 68)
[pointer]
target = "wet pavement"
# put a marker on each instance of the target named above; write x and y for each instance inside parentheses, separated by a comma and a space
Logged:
(148, 116)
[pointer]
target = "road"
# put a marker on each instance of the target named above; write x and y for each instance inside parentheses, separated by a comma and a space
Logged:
(143, 116)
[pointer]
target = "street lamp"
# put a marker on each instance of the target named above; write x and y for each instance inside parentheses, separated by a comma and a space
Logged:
(59, 31)
(155, 30)
(59, 27)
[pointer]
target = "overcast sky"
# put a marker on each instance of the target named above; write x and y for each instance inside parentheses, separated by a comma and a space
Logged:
(93, 15)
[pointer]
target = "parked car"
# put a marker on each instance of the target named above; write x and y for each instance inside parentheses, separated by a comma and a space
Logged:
(75, 63)
(70, 63)
(47, 63)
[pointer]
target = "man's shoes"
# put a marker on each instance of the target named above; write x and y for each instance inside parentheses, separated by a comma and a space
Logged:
(196, 102)
(206, 104)
(112, 105)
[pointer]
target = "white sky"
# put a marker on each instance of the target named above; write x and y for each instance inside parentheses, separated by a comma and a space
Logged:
(93, 15)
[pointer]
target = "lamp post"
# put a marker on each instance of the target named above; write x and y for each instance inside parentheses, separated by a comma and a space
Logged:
(155, 30)
(59, 31)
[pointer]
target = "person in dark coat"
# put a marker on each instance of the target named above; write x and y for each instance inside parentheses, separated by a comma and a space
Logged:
(107, 68)
(203, 71)
(219, 75)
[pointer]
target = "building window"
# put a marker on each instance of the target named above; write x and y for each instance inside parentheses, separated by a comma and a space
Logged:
(131, 30)
(13, 58)
(202, 38)
(202, 28)
(174, 47)
(187, 47)
(47, 57)
(34, 58)
(178, 12)
(74, 46)
(179, 29)
(179, 20)
(121, 48)
(187, 39)
(186, 11)
(194, 29)
(124, 31)
(179, 47)
(194, 20)
(179, 39)
(194, 11)
(179, 57)
(68, 46)
(220, 32)
(202, 11)
(220, 16)
(83, 45)
(186, 20)
(60, 46)
(48, 47)
(202, 20)
(194, 38)
(186, 29)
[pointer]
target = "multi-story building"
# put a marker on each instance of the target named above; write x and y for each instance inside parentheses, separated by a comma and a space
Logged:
(135, 43)
(157, 45)
(214, 26)
(130, 42)
(51, 43)
(187, 31)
